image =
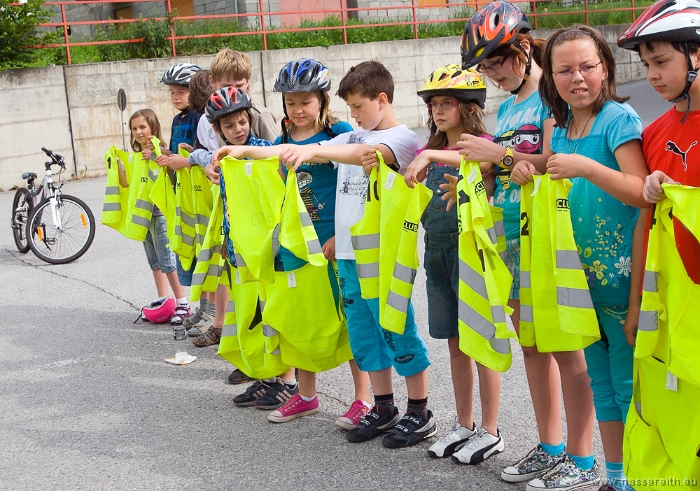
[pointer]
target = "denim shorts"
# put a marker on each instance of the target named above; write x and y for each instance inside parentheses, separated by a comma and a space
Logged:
(185, 277)
(441, 263)
(513, 263)
(373, 347)
(156, 246)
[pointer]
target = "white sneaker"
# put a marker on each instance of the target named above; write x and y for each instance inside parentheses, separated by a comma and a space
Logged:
(448, 444)
(533, 465)
(479, 447)
(565, 476)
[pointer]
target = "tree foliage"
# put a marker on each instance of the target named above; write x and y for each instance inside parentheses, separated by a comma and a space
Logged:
(19, 31)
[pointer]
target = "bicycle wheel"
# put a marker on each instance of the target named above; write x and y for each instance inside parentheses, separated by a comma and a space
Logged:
(21, 209)
(69, 241)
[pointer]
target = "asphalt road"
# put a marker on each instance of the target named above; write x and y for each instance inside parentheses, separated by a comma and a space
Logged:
(87, 402)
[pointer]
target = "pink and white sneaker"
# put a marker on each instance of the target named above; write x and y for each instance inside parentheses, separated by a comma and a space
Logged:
(296, 407)
(352, 418)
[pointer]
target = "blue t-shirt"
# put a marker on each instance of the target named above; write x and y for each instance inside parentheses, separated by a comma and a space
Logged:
(184, 129)
(518, 126)
(317, 183)
(252, 142)
(603, 226)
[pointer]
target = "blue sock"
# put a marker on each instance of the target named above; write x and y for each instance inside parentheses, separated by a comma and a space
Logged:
(552, 450)
(583, 463)
(616, 477)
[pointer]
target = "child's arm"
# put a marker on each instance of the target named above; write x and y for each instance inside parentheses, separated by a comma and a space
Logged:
(350, 153)
(653, 192)
(625, 185)
(416, 170)
(247, 152)
(635, 300)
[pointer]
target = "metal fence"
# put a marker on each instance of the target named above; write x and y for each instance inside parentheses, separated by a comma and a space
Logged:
(412, 14)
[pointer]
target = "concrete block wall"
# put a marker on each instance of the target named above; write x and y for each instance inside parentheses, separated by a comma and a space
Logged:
(87, 94)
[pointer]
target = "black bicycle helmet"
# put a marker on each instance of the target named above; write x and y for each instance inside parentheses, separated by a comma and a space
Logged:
(494, 26)
(179, 74)
(303, 75)
(226, 101)
(670, 21)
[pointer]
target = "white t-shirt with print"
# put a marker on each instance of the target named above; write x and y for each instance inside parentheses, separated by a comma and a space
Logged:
(353, 182)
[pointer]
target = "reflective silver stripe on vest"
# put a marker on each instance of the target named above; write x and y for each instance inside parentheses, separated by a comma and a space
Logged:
(240, 262)
(651, 281)
(648, 320)
(112, 207)
(397, 302)
(144, 205)
(482, 326)
(314, 246)
(262, 305)
(574, 297)
(275, 352)
(526, 313)
(206, 254)
(201, 219)
(111, 190)
(138, 220)
(404, 273)
(214, 270)
(231, 307)
(370, 270)
(364, 242)
(199, 238)
(492, 235)
(275, 240)
(305, 219)
(472, 279)
(229, 330)
(498, 314)
(152, 175)
(568, 260)
(500, 228)
(187, 239)
(186, 219)
(638, 407)
(525, 279)
(269, 331)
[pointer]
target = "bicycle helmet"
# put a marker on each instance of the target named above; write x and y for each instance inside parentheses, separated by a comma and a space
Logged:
(451, 80)
(159, 311)
(670, 21)
(303, 75)
(226, 101)
(179, 74)
(494, 26)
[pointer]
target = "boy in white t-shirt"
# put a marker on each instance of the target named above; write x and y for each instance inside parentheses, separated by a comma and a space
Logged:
(368, 89)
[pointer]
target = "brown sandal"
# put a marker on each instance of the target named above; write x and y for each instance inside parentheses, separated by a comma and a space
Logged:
(209, 338)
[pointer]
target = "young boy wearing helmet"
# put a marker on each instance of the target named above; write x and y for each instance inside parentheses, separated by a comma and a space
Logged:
(662, 434)
(455, 100)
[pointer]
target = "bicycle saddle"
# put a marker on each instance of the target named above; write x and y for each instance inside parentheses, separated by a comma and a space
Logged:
(29, 175)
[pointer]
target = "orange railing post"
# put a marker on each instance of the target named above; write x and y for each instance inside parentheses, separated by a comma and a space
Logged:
(262, 23)
(172, 30)
(534, 14)
(342, 22)
(415, 19)
(585, 10)
(65, 32)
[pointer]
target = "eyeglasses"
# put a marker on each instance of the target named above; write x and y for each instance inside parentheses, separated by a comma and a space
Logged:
(583, 70)
(481, 68)
(444, 105)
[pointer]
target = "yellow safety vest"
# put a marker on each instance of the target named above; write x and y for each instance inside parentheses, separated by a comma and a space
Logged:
(246, 341)
(182, 242)
(254, 193)
(301, 308)
(668, 327)
(203, 192)
(556, 310)
(210, 264)
(661, 446)
(163, 196)
(484, 279)
(386, 243)
(140, 207)
(297, 232)
(114, 209)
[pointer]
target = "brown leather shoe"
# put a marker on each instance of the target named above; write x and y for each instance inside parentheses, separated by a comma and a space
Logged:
(209, 338)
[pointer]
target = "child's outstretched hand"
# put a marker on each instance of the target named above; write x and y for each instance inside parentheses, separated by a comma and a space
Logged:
(213, 172)
(329, 249)
(568, 166)
(292, 156)
(163, 160)
(478, 149)
(187, 147)
(522, 172)
(235, 151)
(450, 188)
(417, 170)
(369, 159)
(652, 191)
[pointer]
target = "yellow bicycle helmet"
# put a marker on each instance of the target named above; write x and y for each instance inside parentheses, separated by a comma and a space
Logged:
(451, 80)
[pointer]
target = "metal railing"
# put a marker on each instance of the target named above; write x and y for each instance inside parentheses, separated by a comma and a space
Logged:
(343, 12)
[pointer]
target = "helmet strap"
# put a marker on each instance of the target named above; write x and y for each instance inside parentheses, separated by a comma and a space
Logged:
(285, 120)
(528, 67)
(690, 78)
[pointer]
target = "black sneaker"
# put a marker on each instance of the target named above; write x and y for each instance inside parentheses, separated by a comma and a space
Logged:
(372, 424)
(276, 396)
(237, 377)
(254, 392)
(412, 429)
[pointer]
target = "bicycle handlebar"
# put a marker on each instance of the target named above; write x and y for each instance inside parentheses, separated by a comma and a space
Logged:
(56, 159)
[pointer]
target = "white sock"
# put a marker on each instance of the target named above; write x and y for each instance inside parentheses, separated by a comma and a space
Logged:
(367, 404)
(307, 399)
(183, 301)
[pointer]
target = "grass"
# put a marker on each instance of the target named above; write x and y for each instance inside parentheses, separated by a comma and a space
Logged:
(155, 45)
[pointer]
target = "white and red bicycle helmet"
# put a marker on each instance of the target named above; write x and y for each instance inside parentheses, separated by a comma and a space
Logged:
(159, 311)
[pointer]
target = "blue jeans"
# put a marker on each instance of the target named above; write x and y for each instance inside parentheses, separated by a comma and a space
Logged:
(158, 253)
(441, 264)
(185, 276)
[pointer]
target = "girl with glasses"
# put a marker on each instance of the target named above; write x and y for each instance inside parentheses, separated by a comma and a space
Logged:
(597, 145)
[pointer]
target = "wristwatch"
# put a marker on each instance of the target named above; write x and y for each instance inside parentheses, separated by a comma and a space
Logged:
(507, 159)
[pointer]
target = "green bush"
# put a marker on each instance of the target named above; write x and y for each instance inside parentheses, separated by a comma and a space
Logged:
(152, 31)
(19, 30)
